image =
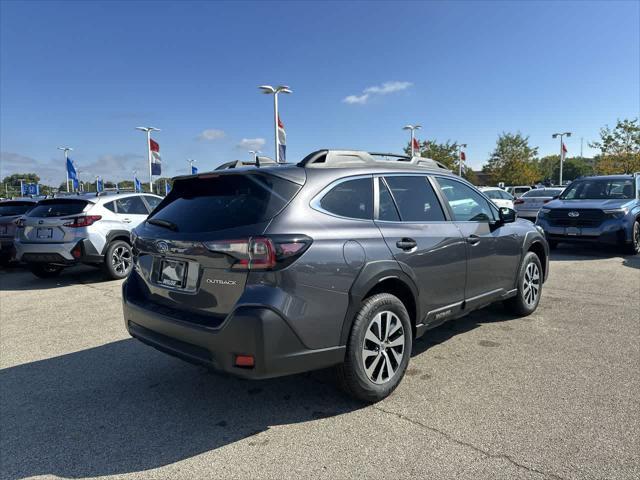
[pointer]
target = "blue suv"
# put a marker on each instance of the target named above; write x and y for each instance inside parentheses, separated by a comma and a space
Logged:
(603, 209)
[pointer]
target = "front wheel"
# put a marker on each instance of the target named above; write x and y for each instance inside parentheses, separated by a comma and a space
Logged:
(118, 260)
(45, 270)
(529, 286)
(378, 349)
(634, 247)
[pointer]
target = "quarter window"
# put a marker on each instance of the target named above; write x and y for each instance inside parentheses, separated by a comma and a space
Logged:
(110, 206)
(132, 206)
(152, 201)
(353, 199)
(416, 200)
(467, 204)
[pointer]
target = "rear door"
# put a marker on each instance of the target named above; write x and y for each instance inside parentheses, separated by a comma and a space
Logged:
(131, 211)
(427, 246)
(493, 250)
(45, 223)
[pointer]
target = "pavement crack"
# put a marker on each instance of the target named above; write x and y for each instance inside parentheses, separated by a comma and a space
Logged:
(468, 445)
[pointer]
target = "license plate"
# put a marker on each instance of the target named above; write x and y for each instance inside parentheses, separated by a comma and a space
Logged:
(45, 232)
(173, 273)
(573, 231)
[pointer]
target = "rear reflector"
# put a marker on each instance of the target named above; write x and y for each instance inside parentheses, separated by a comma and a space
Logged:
(245, 361)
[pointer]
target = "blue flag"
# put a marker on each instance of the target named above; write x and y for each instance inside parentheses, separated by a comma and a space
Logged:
(167, 188)
(30, 189)
(99, 184)
(71, 170)
(194, 170)
(137, 185)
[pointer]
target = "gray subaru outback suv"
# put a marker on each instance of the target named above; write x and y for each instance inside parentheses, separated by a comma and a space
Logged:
(341, 260)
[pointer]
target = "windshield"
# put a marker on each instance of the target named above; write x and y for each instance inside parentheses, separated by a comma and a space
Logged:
(543, 192)
(58, 208)
(599, 189)
(8, 209)
(493, 194)
(218, 202)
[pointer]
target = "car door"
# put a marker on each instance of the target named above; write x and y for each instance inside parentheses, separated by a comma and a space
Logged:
(493, 250)
(428, 247)
(132, 211)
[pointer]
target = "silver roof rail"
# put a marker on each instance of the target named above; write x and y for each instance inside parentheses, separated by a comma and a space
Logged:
(354, 158)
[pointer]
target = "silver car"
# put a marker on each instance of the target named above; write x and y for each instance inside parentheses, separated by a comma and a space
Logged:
(528, 205)
(10, 213)
(89, 229)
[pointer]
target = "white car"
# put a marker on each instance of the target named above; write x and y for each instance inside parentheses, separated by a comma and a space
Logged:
(518, 190)
(498, 196)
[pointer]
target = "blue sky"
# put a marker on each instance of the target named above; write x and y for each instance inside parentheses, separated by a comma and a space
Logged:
(86, 73)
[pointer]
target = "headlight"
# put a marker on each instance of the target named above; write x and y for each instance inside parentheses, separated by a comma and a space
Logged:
(616, 212)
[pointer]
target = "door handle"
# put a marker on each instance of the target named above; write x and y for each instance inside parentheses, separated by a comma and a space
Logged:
(126, 220)
(473, 239)
(406, 244)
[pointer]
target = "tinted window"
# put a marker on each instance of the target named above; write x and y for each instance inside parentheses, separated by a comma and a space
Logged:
(58, 208)
(388, 211)
(493, 194)
(599, 188)
(353, 199)
(218, 202)
(15, 208)
(467, 204)
(152, 201)
(542, 192)
(416, 200)
(131, 206)
(110, 206)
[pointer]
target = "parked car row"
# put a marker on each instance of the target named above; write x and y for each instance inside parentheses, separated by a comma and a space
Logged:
(92, 229)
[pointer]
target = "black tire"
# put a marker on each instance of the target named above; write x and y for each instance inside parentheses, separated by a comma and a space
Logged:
(634, 247)
(118, 260)
(45, 270)
(553, 244)
(352, 374)
(523, 303)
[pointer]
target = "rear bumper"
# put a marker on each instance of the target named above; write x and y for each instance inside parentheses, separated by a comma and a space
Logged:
(57, 253)
(257, 331)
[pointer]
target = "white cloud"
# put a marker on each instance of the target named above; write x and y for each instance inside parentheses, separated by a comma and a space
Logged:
(384, 89)
(251, 143)
(211, 134)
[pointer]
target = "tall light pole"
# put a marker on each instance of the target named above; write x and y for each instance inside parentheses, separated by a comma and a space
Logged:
(413, 128)
(268, 90)
(66, 151)
(149, 130)
(255, 155)
(561, 135)
(460, 147)
(191, 162)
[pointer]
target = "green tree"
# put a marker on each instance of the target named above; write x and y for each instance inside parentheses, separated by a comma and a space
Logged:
(619, 148)
(446, 153)
(549, 168)
(513, 161)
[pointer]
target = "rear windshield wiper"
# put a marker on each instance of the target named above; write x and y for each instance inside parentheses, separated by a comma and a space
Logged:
(163, 223)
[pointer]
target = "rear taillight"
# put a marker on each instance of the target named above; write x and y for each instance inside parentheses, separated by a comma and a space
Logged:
(518, 201)
(261, 253)
(83, 221)
(547, 200)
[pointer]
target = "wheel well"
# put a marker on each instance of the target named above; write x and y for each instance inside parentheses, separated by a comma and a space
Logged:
(399, 289)
(538, 249)
(119, 236)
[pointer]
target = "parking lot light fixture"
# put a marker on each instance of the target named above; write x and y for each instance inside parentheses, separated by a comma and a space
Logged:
(66, 151)
(556, 135)
(255, 155)
(270, 90)
(412, 128)
(148, 130)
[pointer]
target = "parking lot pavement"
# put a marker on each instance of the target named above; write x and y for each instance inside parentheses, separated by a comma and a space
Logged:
(553, 395)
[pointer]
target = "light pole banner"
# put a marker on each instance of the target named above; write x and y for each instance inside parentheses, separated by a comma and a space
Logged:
(282, 141)
(194, 170)
(137, 185)
(156, 161)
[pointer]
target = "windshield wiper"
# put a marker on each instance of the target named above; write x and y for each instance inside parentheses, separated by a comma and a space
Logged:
(163, 223)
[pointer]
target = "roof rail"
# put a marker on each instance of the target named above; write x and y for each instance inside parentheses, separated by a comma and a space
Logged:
(260, 162)
(350, 158)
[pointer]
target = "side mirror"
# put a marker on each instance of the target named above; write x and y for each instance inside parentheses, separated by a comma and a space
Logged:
(507, 215)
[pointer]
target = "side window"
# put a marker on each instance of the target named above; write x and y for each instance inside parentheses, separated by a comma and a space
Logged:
(110, 206)
(353, 199)
(388, 211)
(467, 204)
(152, 201)
(416, 200)
(131, 206)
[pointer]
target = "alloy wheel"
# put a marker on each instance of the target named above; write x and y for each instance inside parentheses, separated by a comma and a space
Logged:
(531, 284)
(383, 347)
(121, 259)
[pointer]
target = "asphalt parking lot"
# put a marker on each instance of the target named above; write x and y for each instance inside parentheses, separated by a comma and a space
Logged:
(554, 395)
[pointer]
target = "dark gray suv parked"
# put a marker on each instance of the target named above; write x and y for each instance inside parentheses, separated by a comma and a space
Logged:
(343, 259)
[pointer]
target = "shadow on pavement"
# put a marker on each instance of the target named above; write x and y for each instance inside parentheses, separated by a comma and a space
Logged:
(123, 407)
(569, 252)
(20, 278)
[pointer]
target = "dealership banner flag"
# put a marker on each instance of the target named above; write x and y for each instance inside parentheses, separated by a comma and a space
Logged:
(416, 145)
(71, 170)
(156, 161)
(564, 151)
(463, 156)
(99, 184)
(137, 184)
(282, 141)
(167, 188)
(194, 170)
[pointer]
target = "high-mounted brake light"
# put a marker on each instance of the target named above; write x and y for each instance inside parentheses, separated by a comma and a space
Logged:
(83, 221)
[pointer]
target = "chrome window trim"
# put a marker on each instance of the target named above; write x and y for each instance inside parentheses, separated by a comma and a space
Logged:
(315, 201)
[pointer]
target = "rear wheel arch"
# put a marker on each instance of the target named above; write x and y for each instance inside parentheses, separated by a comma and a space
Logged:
(114, 235)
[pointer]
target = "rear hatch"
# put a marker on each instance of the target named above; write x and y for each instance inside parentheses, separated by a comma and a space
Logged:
(194, 253)
(10, 212)
(534, 200)
(48, 221)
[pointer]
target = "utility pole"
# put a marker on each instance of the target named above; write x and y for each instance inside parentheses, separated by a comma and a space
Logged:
(561, 135)
(269, 90)
(412, 128)
(148, 130)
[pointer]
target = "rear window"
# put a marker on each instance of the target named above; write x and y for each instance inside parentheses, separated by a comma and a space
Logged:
(493, 194)
(543, 192)
(15, 208)
(208, 204)
(58, 208)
